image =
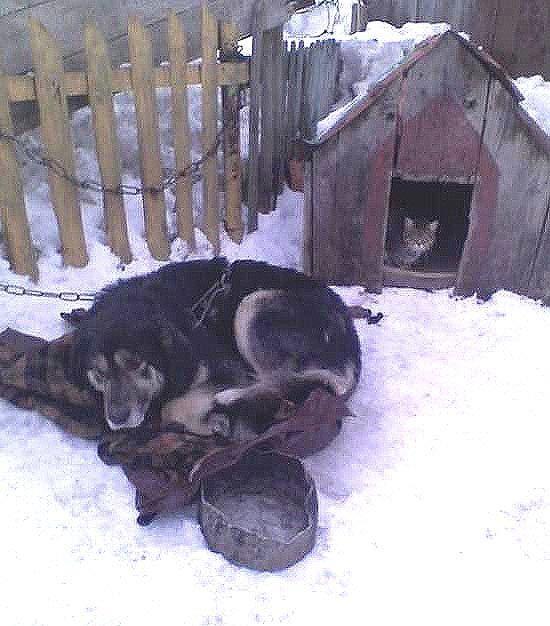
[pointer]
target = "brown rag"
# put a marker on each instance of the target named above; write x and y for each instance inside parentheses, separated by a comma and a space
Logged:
(165, 467)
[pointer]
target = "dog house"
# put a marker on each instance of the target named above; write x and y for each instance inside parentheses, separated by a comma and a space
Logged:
(444, 137)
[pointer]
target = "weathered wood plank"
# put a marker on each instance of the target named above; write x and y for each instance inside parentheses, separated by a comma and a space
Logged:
(306, 119)
(517, 209)
(533, 26)
(397, 12)
(279, 88)
(442, 110)
(231, 95)
(284, 121)
(299, 97)
(65, 19)
(12, 204)
(253, 199)
(307, 234)
(325, 246)
(106, 139)
(209, 99)
(22, 88)
(358, 18)
(177, 51)
(539, 281)
(351, 196)
(141, 58)
(57, 141)
(505, 40)
(267, 124)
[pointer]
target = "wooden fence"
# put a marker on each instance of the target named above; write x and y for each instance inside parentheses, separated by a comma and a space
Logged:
(292, 88)
(51, 85)
(515, 32)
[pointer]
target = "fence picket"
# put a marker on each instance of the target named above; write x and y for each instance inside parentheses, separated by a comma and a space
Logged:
(12, 202)
(177, 50)
(229, 37)
(291, 99)
(56, 137)
(100, 90)
(141, 58)
(279, 96)
(253, 199)
(209, 127)
(50, 87)
(267, 124)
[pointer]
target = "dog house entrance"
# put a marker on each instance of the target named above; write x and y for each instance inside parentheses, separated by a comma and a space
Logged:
(426, 231)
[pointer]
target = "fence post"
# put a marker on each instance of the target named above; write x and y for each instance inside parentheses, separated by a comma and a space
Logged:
(229, 37)
(100, 93)
(177, 49)
(255, 82)
(12, 202)
(56, 135)
(209, 77)
(141, 59)
(358, 17)
(279, 57)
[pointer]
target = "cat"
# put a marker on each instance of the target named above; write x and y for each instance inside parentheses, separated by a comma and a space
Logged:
(414, 243)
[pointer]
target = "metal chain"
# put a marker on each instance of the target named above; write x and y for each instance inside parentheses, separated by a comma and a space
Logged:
(68, 296)
(37, 156)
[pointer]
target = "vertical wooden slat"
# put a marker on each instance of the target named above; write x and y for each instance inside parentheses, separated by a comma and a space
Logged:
(177, 50)
(291, 99)
(278, 98)
(100, 93)
(229, 36)
(56, 136)
(304, 105)
(254, 119)
(354, 18)
(267, 136)
(300, 62)
(284, 121)
(141, 58)
(12, 203)
(209, 122)
(307, 243)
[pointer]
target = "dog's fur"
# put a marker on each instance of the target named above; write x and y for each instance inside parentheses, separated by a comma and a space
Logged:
(271, 334)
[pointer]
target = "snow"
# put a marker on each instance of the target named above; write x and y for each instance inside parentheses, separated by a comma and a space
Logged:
(537, 99)
(434, 499)
(444, 466)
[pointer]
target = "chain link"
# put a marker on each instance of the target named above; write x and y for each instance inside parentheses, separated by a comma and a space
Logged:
(67, 296)
(37, 156)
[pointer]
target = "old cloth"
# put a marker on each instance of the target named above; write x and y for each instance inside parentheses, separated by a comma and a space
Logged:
(165, 467)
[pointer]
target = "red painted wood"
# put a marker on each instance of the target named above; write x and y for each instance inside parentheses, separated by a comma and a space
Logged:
(438, 143)
(376, 214)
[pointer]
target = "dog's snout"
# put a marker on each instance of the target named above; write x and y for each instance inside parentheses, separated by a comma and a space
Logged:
(120, 416)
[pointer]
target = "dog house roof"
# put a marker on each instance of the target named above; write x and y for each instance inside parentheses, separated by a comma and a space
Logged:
(496, 71)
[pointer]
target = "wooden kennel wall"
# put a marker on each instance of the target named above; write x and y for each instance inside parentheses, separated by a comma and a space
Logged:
(447, 114)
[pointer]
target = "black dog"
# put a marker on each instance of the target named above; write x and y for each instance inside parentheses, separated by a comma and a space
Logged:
(204, 338)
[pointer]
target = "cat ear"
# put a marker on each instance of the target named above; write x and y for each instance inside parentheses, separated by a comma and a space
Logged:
(433, 226)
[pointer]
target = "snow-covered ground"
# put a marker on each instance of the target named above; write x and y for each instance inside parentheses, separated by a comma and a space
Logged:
(436, 494)
(434, 500)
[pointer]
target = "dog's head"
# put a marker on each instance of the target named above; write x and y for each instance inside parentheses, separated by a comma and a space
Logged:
(131, 357)
(128, 385)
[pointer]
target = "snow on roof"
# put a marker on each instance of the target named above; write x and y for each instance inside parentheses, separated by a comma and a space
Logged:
(533, 94)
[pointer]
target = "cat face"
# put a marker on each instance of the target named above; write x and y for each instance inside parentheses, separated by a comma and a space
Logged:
(419, 237)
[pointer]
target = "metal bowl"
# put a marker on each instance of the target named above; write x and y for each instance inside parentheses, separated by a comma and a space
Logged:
(262, 512)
